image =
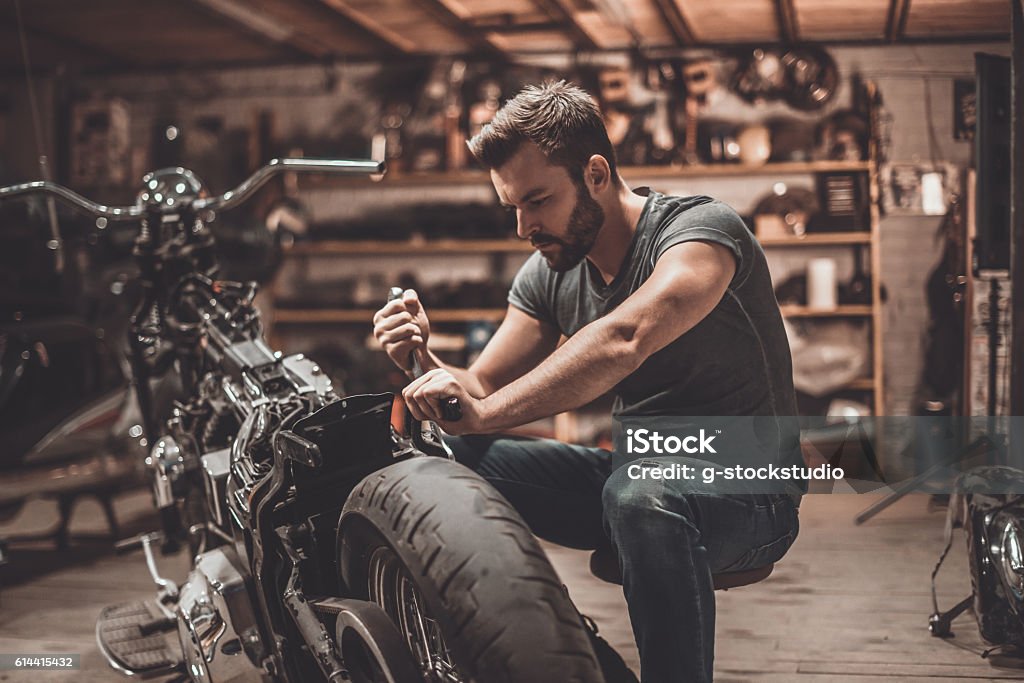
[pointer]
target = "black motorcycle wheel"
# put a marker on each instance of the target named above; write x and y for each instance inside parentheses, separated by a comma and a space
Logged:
(460, 574)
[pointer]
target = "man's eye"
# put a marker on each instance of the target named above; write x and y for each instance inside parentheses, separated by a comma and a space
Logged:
(537, 203)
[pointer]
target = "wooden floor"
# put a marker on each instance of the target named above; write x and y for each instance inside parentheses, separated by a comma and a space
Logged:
(847, 604)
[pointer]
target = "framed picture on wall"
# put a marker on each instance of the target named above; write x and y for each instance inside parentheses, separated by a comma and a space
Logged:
(918, 189)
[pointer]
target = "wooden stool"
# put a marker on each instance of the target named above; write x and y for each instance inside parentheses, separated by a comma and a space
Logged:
(605, 566)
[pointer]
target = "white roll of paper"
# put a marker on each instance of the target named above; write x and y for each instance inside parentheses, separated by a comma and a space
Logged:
(821, 283)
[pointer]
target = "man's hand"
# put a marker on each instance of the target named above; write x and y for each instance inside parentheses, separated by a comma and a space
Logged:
(424, 396)
(402, 328)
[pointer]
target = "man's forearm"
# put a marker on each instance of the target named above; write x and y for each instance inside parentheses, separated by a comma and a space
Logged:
(586, 366)
(465, 376)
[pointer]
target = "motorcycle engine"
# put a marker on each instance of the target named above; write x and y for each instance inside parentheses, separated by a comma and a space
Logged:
(216, 621)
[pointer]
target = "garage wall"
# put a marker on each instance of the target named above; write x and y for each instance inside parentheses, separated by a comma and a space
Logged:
(916, 83)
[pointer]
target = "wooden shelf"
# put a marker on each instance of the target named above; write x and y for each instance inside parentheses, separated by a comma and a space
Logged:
(820, 239)
(720, 170)
(302, 316)
(443, 246)
(848, 311)
(476, 177)
(481, 246)
(348, 315)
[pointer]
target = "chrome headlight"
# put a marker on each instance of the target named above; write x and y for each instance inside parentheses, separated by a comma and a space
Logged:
(1011, 557)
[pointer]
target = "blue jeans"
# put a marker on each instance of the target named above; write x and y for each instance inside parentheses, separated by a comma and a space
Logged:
(671, 535)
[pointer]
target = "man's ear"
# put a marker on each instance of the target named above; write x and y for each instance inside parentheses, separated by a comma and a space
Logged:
(597, 174)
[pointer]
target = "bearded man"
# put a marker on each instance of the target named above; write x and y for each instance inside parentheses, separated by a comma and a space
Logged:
(667, 303)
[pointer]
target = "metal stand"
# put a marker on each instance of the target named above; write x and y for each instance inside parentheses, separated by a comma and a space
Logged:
(976, 448)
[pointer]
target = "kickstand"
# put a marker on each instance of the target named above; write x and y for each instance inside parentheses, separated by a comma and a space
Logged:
(940, 625)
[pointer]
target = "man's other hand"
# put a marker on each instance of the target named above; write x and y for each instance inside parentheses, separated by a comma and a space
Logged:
(402, 328)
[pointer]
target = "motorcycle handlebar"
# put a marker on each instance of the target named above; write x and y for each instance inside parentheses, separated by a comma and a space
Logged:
(222, 202)
(236, 196)
(115, 213)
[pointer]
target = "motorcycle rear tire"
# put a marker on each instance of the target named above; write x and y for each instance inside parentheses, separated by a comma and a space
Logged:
(502, 611)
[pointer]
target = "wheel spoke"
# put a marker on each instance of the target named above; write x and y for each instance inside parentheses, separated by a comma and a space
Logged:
(390, 587)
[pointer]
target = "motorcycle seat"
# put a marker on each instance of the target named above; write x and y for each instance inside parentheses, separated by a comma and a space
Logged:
(605, 566)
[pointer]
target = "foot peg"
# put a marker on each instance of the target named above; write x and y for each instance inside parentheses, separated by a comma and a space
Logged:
(133, 637)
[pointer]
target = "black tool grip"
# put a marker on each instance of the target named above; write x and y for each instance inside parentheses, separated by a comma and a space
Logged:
(451, 409)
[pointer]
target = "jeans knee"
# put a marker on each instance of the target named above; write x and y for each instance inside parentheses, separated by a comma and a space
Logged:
(628, 503)
(640, 508)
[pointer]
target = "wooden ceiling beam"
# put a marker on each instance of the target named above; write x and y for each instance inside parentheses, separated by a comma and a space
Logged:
(677, 23)
(250, 20)
(896, 21)
(323, 30)
(564, 16)
(789, 31)
(445, 16)
(368, 23)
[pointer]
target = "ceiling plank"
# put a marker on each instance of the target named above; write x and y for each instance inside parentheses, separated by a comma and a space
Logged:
(449, 18)
(564, 15)
(896, 22)
(252, 21)
(944, 18)
(319, 30)
(150, 34)
(863, 21)
(368, 23)
(673, 16)
(789, 31)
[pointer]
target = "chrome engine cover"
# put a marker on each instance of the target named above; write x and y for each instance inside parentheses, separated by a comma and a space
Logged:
(216, 621)
(216, 468)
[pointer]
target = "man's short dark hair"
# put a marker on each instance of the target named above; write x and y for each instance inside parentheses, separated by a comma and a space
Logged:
(562, 119)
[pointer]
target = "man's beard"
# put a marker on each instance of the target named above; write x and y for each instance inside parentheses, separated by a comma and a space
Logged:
(584, 223)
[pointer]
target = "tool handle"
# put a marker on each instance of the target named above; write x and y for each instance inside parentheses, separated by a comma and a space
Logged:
(451, 408)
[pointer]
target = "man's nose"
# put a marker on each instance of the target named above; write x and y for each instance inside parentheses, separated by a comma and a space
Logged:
(525, 225)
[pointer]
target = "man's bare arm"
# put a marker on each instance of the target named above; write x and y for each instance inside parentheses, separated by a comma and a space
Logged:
(688, 281)
(518, 345)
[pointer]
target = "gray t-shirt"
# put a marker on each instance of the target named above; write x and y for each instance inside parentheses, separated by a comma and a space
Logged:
(736, 361)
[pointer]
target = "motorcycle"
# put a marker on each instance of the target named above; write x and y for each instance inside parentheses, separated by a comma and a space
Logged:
(333, 537)
(988, 503)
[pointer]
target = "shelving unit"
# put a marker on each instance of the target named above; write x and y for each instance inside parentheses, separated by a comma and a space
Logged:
(498, 247)
(872, 311)
(375, 247)
(845, 311)
(825, 239)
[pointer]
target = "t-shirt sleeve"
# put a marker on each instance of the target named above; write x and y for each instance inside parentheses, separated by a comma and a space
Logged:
(529, 292)
(711, 222)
